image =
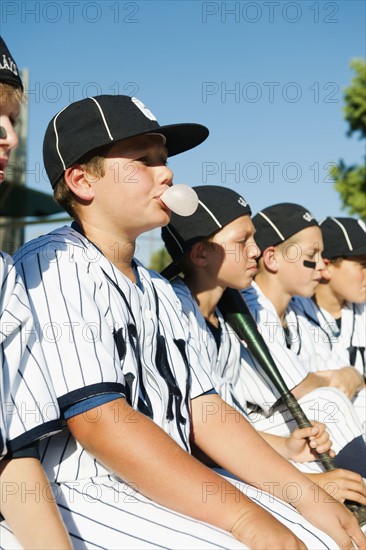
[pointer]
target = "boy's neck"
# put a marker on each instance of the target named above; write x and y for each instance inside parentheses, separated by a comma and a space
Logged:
(325, 298)
(275, 294)
(118, 249)
(207, 298)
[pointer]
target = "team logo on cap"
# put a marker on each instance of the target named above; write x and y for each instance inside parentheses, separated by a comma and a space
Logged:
(308, 217)
(9, 65)
(143, 108)
(242, 201)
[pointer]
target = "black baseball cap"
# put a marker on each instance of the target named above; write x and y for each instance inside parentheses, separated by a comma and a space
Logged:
(277, 223)
(105, 119)
(9, 73)
(217, 207)
(343, 237)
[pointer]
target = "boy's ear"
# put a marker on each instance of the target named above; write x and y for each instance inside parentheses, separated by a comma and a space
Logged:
(79, 182)
(270, 260)
(198, 254)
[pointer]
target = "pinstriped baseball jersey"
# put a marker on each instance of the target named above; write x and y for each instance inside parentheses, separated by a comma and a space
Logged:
(133, 340)
(320, 345)
(237, 386)
(337, 413)
(333, 347)
(263, 311)
(29, 409)
(236, 378)
(223, 362)
(101, 333)
(124, 519)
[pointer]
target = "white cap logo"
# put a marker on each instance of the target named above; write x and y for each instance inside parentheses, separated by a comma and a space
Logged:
(8, 64)
(308, 217)
(242, 201)
(142, 108)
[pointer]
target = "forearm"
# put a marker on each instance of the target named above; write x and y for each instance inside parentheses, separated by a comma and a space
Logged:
(347, 379)
(27, 505)
(143, 455)
(277, 443)
(243, 451)
(311, 382)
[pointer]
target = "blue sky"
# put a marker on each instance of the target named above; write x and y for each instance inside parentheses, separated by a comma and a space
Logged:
(266, 77)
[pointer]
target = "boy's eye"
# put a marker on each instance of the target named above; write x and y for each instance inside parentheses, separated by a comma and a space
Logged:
(162, 160)
(313, 254)
(153, 161)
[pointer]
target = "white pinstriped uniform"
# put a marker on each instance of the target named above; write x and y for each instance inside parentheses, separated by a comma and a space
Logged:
(327, 405)
(72, 285)
(223, 363)
(29, 409)
(236, 378)
(242, 388)
(319, 344)
(327, 340)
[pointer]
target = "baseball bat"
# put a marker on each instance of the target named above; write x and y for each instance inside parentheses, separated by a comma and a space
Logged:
(237, 314)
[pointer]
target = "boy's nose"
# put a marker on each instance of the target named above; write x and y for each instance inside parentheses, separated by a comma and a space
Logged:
(167, 175)
(321, 265)
(8, 136)
(254, 250)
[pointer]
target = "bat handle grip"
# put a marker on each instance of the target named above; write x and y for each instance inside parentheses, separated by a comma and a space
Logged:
(303, 422)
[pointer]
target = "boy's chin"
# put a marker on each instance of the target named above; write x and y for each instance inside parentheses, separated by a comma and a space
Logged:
(164, 220)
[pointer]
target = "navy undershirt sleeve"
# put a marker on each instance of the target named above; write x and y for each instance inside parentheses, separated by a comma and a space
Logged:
(90, 403)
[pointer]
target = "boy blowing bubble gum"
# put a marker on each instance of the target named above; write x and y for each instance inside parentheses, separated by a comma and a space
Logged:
(291, 264)
(26, 501)
(333, 320)
(126, 370)
(215, 249)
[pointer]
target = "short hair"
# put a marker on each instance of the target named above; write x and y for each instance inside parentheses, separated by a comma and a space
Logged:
(9, 93)
(94, 164)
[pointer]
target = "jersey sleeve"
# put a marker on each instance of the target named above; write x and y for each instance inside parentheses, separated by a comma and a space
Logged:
(70, 306)
(29, 405)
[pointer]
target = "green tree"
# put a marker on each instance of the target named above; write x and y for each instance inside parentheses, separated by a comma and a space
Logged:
(350, 181)
(160, 259)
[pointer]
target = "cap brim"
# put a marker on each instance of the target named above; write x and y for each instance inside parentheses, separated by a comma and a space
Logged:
(182, 137)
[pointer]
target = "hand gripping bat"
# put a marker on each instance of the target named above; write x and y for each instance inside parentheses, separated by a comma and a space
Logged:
(237, 314)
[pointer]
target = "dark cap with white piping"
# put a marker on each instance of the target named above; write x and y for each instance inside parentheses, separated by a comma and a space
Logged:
(343, 237)
(217, 207)
(94, 122)
(277, 223)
